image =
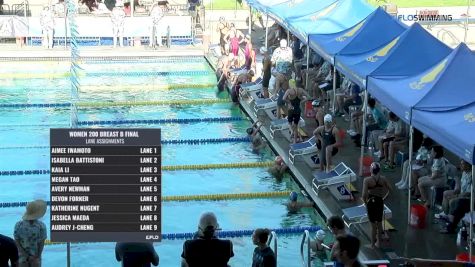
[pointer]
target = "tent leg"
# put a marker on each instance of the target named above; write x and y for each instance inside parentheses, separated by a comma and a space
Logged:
(308, 63)
(471, 213)
(411, 141)
(363, 134)
(334, 90)
(267, 31)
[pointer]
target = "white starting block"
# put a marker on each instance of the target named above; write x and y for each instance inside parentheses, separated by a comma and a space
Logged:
(358, 214)
(340, 175)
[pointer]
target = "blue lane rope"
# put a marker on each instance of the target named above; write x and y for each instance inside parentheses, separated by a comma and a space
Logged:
(121, 122)
(50, 105)
(161, 121)
(164, 142)
(192, 59)
(149, 73)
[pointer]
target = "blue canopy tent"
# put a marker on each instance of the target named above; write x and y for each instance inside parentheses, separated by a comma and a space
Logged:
(334, 17)
(401, 94)
(447, 112)
(374, 31)
(295, 9)
(263, 5)
(412, 52)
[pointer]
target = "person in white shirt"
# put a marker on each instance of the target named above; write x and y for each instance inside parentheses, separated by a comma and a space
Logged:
(156, 14)
(47, 26)
(118, 19)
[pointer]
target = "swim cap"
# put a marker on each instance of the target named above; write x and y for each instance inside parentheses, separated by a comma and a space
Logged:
(293, 196)
(328, 118)
(375, 168)
(320, 235)
(278, 160)
(249, 131)
(292, 83)
(316, 103)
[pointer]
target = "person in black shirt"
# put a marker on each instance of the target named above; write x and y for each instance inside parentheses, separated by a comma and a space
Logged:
(263, 255)
(8, 252)
(345, 251)
(206, 249)
(136, 254)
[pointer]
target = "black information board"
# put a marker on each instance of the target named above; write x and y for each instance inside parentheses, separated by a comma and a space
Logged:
(105, 185)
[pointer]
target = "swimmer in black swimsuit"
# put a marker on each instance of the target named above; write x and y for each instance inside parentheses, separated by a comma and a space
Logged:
(294, 97)
(375, 189)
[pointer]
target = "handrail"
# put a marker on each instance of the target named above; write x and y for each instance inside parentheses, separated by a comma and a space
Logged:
(449, 33)
(273, 237)
(305, 237)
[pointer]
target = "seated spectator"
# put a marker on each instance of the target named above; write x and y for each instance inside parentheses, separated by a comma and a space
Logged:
(461, 190)
(319, 112)
(30, 234)
(437, 178)
(298, 57)
(294, 205)
(458, 207)
(127, 9)
(328, 142)
(393, 131)
(353, 98)
(399, 143)
(346, 250)
(263, 255)
(279, 168)
(379, 122)
(323, 75)
(8, 252)
(418, 167)
(136, 254)
(207, 249)
(356, 124)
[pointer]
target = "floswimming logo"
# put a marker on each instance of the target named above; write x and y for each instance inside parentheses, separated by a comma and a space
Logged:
(323, 12)
(6, 28)
(425, 15)
(350, 33)
(429, 77)
(383, 51)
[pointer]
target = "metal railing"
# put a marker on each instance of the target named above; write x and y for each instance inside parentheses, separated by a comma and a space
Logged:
(273, 239)
(305, 239)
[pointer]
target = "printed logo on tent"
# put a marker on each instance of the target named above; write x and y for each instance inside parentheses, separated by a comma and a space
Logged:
(429, 77)
(323, 12)
(295, 2)
(469, 117)
(468, 155)
(383, 51)
(350, 33)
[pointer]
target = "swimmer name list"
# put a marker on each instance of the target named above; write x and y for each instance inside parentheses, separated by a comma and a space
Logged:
(105, 185)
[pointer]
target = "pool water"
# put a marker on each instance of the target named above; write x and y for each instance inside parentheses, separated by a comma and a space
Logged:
(24, 137)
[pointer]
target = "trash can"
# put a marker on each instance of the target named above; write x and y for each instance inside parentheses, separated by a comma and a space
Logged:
(464, 257)
(365, 165)
(309, 111)
(418, 216)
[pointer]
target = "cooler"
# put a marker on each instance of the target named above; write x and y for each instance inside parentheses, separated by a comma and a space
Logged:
(418, 216)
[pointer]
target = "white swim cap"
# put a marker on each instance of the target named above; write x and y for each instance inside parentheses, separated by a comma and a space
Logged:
(320, 235)
(283, 43)
(327, 118)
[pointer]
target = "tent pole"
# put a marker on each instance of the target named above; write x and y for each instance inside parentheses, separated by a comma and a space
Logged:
(466, 26)
(308, 63)
(411, 141)
(267, 31)
(471, 212)
(132, 7)
(288, 36)
(250, 20)
(334, 89)
(363, 134)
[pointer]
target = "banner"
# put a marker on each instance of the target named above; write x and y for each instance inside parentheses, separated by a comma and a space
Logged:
(13, 26)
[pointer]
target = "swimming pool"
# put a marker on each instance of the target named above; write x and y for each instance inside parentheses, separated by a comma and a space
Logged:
(24, 137)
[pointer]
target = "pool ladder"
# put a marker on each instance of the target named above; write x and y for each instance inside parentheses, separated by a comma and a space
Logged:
(305, 239)
(273, 237)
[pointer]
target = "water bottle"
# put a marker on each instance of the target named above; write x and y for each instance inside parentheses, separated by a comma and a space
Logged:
(462, 237)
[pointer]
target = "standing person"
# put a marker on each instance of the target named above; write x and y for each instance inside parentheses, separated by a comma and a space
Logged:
(136, 254)
(281, 87)
(30, 235)
(329, 141)
(156, 15)
(266, 71)
(8, 252)
(375, 189)
(295, 97)
(298, 57)
(282, 59)
(234, 40)
(249, 54)
(263, 255)
(223, 31)
(47, 26)
(206, 249)
(118, 19)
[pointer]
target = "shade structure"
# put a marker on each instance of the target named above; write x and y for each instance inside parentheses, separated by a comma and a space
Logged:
(332, 18)
(374, 31)
(412, 52)
(263, 5)
(286, 11)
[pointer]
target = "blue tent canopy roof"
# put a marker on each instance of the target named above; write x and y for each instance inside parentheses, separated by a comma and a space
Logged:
(331, 18)
(454, 129)
(374, 31)
(396, 58)
(263, 5)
